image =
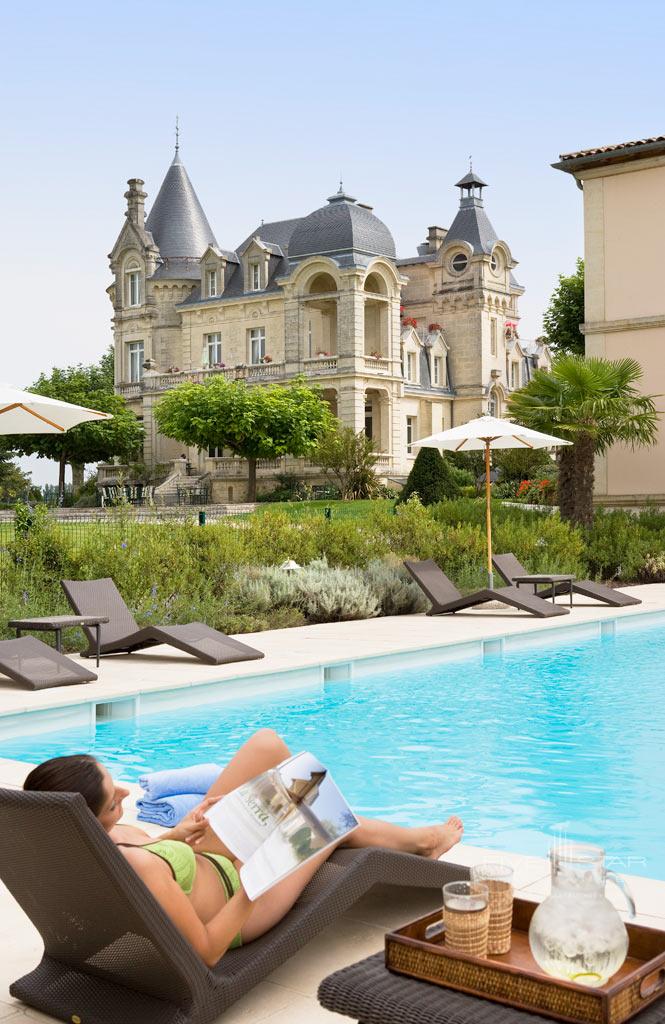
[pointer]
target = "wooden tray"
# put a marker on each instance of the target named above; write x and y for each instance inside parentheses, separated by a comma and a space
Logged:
(516, 979)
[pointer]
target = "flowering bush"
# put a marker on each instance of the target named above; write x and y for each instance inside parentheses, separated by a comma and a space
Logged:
(434, 327)
(267, 359)
(537, 492)
(410, 321)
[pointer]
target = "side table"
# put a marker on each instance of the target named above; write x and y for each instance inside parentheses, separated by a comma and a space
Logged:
(56, 624)
(370, 994)
(552, 580)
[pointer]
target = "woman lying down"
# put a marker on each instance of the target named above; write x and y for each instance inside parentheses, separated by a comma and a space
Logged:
(188, 869)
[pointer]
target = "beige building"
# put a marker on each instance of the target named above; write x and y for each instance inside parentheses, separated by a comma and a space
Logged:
(624, 300)
(399, 347)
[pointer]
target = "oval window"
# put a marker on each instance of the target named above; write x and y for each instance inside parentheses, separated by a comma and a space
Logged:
(494, 262)
(459, 262)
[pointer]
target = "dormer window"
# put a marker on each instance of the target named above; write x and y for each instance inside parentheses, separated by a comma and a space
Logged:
(437, 371)
(212, 284)
(411, 374)
(255, 277)
(133, 285)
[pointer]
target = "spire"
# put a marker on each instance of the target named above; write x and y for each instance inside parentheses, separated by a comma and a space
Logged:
(177, 222)
(177, 134)
(472, 224)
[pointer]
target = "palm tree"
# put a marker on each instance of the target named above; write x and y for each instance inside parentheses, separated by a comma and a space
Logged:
(594, 403)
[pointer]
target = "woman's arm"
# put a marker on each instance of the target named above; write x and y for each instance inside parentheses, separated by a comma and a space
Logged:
(210, 940)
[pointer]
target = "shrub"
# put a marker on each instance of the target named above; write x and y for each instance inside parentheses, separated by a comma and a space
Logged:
(616, 548)
(395, 591)
(431, 478)
(653, 570)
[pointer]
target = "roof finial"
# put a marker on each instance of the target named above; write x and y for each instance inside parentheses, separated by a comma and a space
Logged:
(470, 164)
(341, 184)
(177, 133)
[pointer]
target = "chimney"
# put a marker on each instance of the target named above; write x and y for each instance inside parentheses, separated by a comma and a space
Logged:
(136, 198)
(435, 237)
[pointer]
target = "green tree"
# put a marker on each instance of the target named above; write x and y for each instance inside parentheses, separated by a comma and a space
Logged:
(14, 483)
(432, 478)
(565, 313)
(92, 387)
(259, 422)
(594, 403)
(350, 460)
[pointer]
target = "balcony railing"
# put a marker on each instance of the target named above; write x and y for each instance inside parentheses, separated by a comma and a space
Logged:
(165, 381)
(377, 365)
(321, 364)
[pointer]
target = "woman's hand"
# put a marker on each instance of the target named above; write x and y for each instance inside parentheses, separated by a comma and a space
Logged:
(192, 828)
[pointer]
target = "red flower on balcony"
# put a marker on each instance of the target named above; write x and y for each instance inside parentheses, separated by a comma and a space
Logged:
(410, 321)
(434, 327)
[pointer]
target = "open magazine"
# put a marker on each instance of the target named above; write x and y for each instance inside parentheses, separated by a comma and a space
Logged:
(280, 819)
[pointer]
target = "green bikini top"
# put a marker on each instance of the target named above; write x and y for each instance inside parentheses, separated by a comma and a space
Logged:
(181, 859)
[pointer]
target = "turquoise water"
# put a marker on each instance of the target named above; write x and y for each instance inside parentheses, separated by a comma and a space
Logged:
(546, 741)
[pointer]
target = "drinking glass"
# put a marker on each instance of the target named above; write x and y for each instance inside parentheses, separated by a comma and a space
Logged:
(499, 880)
(466, 916)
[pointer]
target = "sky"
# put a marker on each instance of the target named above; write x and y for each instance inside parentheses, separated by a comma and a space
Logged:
(275, 101)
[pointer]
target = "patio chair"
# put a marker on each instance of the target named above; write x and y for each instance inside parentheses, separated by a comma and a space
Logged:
(122, 633)
(112, 955)
(447, 599)
(508, 568)
(37, 666)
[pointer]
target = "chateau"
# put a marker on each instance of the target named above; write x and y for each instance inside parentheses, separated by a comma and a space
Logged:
(401, 347)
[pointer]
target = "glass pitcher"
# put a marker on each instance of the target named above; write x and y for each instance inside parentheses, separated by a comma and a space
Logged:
(576, 934)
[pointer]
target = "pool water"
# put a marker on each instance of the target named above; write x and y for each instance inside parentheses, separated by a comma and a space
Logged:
(525, 747)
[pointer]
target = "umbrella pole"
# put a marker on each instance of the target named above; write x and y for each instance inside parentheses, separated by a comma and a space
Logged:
(488, 516)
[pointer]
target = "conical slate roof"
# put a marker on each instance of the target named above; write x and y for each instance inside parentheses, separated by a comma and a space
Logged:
(176, 221)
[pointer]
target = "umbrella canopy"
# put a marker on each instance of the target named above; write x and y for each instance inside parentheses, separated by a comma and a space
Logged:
(484, 434)
(22, 412)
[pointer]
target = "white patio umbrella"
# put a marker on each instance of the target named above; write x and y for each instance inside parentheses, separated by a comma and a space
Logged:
(22, 412)
(484, 434)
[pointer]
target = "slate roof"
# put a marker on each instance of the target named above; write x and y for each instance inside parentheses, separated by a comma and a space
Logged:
(277, 232)
(341, 227)
(176, 221)
(472, 225)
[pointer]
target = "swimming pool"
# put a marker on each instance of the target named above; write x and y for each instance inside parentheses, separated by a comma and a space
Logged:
(566, 736)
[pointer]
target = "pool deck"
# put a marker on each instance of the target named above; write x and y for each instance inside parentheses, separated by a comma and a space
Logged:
(288, 996)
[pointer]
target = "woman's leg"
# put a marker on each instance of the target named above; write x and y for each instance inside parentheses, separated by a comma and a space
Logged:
(427, 841)
(264, 750)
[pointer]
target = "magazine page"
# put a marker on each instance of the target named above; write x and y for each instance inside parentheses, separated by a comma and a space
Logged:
(279, 820)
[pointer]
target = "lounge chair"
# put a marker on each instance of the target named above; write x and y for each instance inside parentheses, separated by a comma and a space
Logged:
(35, 665)
(447, 599)
(122, 633)
(113, 956)
(508, 568)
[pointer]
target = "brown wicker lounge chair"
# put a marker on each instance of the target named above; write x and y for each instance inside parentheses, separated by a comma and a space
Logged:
(447, 599)
(113, 956)
(35, 665)
(122, 633)
(508, 568)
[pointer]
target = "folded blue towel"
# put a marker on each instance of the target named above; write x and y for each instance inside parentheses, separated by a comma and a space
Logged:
(171, 781)
(167, 810)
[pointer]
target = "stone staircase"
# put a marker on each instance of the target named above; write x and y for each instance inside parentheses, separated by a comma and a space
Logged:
(181, 489)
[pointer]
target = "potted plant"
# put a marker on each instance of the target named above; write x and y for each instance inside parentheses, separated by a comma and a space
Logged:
(375, 354)
(267, 359)
(434, 327)
(410, 321)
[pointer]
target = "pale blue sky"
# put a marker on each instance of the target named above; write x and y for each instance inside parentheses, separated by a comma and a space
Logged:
(275, 99)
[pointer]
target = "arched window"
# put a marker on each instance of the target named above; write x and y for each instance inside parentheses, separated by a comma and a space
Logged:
(133, 284)
(494, 404)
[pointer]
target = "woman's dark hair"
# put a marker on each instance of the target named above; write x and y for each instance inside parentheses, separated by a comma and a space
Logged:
(77, 773)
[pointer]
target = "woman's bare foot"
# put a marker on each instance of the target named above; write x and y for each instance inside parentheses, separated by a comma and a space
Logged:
(438, 839)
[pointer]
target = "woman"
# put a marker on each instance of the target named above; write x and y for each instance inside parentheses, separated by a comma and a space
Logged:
(188, 869)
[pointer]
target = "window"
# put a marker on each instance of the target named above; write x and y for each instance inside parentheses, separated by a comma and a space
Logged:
(214, 349)
(257, 344)
(411, 432)
(411, 367)
(133, 286)
(215, 452)
(493, 336)
(136, 359)
(369, 423)
(212, 283)
(438, 371)
(514, 375)
(459, 262)
(309, 339)
(495, 263)
(493, 404)
(255, 277)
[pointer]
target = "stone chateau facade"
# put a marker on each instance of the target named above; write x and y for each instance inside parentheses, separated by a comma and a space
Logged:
(400, 347)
